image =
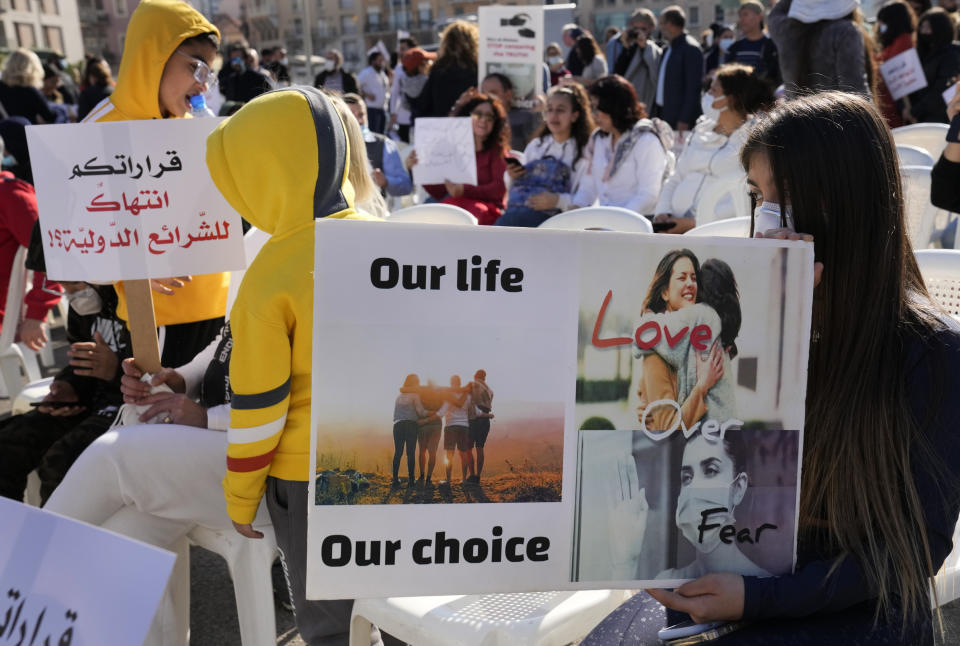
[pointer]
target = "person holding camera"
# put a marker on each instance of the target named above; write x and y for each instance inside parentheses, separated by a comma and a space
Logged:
(639, 62)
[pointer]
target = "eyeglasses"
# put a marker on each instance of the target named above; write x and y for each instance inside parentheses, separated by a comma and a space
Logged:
(483, 116)
(202, 73)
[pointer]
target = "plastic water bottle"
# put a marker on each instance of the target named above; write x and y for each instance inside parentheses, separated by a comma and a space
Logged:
(198, 107)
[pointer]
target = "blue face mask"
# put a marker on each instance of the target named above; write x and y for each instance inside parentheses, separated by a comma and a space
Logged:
(9, 161)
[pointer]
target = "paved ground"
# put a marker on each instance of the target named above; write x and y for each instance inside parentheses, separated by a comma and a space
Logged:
(213, 611)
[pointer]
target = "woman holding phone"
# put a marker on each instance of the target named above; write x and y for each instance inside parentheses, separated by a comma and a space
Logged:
(879, 490)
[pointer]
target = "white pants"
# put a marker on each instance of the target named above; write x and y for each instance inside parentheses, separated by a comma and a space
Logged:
(153, 483)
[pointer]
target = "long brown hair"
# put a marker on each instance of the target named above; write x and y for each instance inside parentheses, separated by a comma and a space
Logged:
(500, 133)
(583, 126)
(653, 302)
(832, 159)
(460, 45)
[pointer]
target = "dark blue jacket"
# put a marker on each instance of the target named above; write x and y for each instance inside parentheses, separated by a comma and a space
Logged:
(681, 85)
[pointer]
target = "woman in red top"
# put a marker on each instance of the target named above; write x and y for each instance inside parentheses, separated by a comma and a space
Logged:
(491, 137)
(896, 26)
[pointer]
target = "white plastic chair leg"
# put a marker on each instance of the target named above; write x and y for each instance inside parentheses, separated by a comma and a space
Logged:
(31, 495)
(360, 628)
(30, 365)
(10, 370)
(179, 587)
(253, 587)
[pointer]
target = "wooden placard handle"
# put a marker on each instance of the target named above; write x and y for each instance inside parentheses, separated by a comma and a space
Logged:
(142, 323)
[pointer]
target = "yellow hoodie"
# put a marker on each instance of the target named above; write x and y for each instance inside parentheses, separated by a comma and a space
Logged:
(156, 29)
(281, 161)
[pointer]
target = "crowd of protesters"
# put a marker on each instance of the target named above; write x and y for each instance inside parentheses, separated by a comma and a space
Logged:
(647, 118)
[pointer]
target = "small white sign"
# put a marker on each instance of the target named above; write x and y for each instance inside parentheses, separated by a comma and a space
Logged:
(903, 74)
(130, 200)
(511, 43)
(445, 151)
(68, 583)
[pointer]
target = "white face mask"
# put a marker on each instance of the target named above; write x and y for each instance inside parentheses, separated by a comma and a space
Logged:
(555, 60)
(767, 216)
(725, 43)
(692, 502)
(328, 65)
(706, 104)
(284, 61)
(85, 302)
(882, 28)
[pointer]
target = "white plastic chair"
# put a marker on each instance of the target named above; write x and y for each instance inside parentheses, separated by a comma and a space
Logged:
(712, 196)
(610, 218)
(531, 619)
(914, 156)
(14, 355)
(730, 228)
(250, 562)
(253, 241)
(931, 137)
(940, 269)
(434, 214)
(920, 212)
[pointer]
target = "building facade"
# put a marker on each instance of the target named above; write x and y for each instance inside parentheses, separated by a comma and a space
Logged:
(42, 24)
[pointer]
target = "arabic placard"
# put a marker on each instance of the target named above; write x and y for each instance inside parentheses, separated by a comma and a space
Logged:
(511, 43)
(65, 583)
(903, 74)
(130, 200)
(445, 151)
(576, 409)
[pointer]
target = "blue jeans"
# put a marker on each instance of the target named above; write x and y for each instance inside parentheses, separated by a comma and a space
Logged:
(521, 216)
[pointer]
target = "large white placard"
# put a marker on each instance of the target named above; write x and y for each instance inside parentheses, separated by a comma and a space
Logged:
(586, 482)
(511, 43)
(131, 199)
(66, 583)
(445, 151)
(903, 74)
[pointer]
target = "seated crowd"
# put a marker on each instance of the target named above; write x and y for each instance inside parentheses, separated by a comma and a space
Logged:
(619, 125)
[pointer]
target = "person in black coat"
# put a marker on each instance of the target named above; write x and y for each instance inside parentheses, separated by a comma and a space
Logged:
(940, 58)
(334, 77)
(98, 85)
(453, 74)
(681, 69)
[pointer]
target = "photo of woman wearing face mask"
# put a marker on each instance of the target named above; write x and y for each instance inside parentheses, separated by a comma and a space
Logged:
(712, 483)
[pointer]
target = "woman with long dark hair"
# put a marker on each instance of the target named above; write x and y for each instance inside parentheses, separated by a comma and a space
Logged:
(594, 64)
(896, 25)
(940, 58)
(556, 159)
(629, 156)
(491, 137)
(97, 85)
(879, 491)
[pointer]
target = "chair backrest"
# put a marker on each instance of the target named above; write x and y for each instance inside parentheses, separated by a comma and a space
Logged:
(433, 214)
(13, 308)
(611, 218)
(253, 241)
(710, 198)
(932, 137)
(914, 156)
(920, 212)
(940, 269)
(730, 228)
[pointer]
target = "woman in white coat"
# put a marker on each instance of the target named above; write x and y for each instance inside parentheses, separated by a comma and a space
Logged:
(712, 154)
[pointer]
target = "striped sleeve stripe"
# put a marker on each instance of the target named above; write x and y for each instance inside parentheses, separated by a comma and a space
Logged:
(245, 465)
(255, 433)
(261, 400)
(99, 111)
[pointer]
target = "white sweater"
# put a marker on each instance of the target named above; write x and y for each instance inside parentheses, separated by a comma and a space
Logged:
(707, 159)
(636, 183)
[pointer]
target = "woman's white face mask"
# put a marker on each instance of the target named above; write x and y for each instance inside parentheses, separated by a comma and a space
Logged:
(767, 216)
(706, 105)
(85, 302)
(704, 507)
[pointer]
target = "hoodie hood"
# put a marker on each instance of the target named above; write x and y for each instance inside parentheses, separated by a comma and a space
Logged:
(156, 29)
(268, 167)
